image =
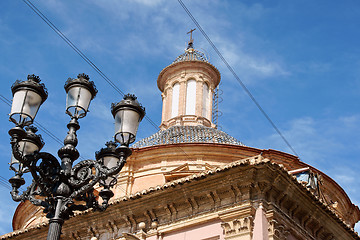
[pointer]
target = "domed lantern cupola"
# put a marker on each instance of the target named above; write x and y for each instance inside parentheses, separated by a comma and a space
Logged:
(187, 86)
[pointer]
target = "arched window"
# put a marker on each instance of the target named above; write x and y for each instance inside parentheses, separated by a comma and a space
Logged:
(190, 97)
(205, 100)
(175, 100)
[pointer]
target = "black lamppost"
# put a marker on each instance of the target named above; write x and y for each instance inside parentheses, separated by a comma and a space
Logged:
(59, 187)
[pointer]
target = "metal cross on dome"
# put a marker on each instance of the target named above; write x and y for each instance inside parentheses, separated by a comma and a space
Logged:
(191, 39)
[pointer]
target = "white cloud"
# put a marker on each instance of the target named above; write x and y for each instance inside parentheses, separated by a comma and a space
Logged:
(165, 24)
(254, 11)
(315, 138)
(151, 3)
(323, 143)
(344, 178)
(250, 67)
(313, 67)
(357, 227)
(350, 121)
(101, 111)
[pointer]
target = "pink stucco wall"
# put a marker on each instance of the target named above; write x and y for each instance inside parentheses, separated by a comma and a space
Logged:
(207, 231)
(146, 182)
(260, 225)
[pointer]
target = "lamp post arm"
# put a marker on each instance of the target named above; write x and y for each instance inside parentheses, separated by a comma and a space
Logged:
(38, 202)
(84, 177)
(124, 152)
(114, 170)
(48, 168)
(47, 173)
(30, 162)
(15, 150)
(82, 173)
(85, 188)
(28, 194)
(34, 192)
(17, 134)
(87, 173)
(15, 192)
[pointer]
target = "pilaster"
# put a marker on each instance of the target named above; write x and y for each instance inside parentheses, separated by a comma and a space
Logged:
(238, 222)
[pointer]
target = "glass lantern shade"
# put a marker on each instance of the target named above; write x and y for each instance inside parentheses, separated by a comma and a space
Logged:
(27, 98)
(110, 162)
(16, 166)
(80, 92)
(127, 114)
(26, 104)
(27, 146)
(109, 158)
(126, 125)
(78, 101)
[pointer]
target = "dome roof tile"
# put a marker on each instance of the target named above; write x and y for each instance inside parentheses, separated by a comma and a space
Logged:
(187, 134)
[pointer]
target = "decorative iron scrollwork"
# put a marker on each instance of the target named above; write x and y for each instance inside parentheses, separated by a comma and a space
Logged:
(53, 189)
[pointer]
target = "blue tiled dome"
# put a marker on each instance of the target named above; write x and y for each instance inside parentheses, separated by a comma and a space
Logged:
(191, 55)
(187, 134)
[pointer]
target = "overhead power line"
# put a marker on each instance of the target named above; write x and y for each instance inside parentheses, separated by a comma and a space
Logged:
(84, 57)
(80, 53)
(4, 182)
(5, 100)
(87, 60)
(38, 125)
(45, 130)
(237, 77)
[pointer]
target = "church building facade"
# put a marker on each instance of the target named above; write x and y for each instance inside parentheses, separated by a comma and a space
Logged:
(191, 181)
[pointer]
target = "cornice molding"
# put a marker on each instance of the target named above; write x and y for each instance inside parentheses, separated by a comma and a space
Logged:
(170, 204)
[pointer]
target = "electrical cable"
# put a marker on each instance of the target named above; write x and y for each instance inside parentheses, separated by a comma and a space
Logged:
(83, 56)
(5, 100)
(50, 134)
(237, 77)
(79, 52)
(3, 181)
(86, 59)
(38, 125)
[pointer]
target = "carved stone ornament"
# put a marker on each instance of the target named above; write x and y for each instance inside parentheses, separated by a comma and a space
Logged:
(237, 226)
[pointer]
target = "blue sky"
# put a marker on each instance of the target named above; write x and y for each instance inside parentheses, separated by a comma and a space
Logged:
(300, 59)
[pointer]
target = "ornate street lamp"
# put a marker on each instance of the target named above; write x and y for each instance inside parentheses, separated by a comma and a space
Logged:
(126, 113)
(60, 187)
(27, 98)
(31, 143)
(80, 92)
